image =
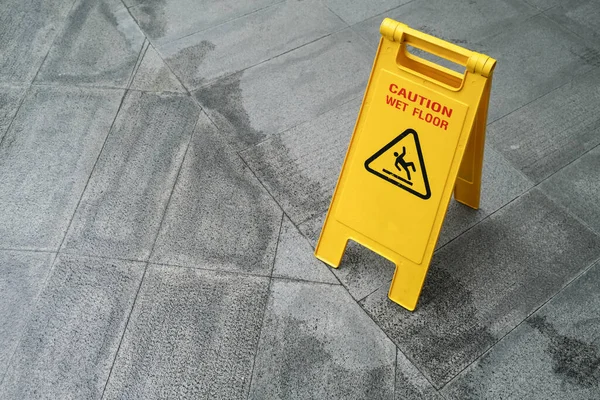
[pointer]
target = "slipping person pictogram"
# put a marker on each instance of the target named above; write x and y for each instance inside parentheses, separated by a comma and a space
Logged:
(407, 157)
(402, 165)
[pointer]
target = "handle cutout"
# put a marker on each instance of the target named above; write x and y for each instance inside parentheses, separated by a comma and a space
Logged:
(433, 67)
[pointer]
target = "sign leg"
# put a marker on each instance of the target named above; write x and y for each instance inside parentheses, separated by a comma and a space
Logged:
(407, 283)
(467, 189)
(332, 243)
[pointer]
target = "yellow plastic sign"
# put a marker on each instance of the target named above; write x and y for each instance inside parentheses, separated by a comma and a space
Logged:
(419, 135)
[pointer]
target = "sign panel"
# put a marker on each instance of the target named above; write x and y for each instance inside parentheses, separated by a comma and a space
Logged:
(415, 126)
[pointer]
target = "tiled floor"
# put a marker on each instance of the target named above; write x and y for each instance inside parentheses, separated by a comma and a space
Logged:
(165, 167)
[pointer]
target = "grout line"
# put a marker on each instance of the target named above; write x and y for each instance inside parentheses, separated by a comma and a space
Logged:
(257, 348)
(395, 370)
(25, 250)
(138, 61)
(323, 3)
(99, 257)
(112, 365)
(212, 81)
(186, 35)
(5, 133)
(299, 280)
(27, 318)
(568, 211)
(270, 137)
(147, 263)
(58, 33)
(543, 304)
(220, 271)
(110, 130)
(410, 360)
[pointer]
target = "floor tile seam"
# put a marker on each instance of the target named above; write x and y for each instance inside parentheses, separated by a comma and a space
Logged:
(26, 250)
(54, 85)
(78, 85)
(27, 318)
(181, 83)
(324, 4)
(175, 181)
(565, 27)
(138, 61)
(133, 303)
(270, 137)
(303, 281)
(170, 41)
(14, 117)
(381, 14)
(89, 178)
(536, 12)
(59, 31)
(340, 283)
(542, 305)
(568, 211)
(219, 78)
(77, 254)
(150, 43)
(508, 162)
(260, 182)
(570, 162)
(395, 371)
(216, 270)
(393, 342)
(264, 311)
(571, 81)
(364, 39)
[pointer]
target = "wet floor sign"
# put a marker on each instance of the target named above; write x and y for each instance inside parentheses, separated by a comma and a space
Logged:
(419, 137)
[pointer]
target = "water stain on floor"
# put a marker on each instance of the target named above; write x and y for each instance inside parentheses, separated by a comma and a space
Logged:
(575, 361)
(225, 105)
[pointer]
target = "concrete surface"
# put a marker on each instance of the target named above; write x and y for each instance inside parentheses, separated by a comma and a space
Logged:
(166, 166)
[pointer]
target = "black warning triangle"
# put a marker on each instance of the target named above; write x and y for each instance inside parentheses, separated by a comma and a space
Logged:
(400, 162)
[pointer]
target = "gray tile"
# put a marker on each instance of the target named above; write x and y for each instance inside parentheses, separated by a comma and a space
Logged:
(167, 20)
(72, 337)
(485, 283)
(288, 90)
(522, 74)
(317, 343)
(577, 187)
(311, 229)
(300, 166)
(463, 22)
(549, 133)
(219, 216)
(21, 278)
(501, 183)
(120, 211)
(555, 354)
(295, 258)
(581, 17)
(10, 99)
(246, 41)
(545, 4)
(153, 75)
(353, 11)
(27, 29)
(99, 45)
(45, 161)
(410, 382)
(192, 335)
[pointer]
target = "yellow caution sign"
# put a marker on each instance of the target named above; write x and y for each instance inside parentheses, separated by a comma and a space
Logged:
(419, 136)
